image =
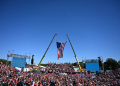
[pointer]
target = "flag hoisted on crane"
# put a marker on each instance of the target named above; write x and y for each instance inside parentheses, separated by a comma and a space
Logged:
(60, 48)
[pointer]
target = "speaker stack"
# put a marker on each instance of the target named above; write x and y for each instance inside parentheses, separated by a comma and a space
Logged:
(32, 60)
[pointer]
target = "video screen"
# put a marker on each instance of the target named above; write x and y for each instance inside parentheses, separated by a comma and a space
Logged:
(92, 66)
(18, 62)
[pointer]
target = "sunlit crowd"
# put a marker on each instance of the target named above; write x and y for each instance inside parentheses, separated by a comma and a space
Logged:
(59, 68)
(9, 76)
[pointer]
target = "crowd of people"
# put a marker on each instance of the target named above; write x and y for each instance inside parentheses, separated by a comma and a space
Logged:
(59, 68)
(9, 76)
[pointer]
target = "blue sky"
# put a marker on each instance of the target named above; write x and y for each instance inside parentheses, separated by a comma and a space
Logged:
(28, 26)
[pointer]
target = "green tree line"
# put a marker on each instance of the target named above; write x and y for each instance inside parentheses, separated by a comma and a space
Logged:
(109, 64)
(8, 62)
(4, 61)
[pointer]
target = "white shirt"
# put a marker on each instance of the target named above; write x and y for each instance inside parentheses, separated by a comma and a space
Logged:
(33, 83)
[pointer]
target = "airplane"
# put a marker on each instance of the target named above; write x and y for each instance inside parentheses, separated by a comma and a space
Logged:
(63, 13)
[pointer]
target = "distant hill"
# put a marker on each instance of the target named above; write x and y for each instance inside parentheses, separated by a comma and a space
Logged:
(4, 61)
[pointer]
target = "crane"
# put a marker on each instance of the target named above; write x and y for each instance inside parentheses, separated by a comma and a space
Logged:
(44, 54)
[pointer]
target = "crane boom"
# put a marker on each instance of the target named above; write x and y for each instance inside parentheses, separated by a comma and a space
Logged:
(44, 54)
(74, 54)
(46, 51)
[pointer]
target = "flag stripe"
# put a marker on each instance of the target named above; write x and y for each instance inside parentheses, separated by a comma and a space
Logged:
(60, 48)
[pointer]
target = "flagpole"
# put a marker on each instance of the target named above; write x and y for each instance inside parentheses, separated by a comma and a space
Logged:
(74, 53)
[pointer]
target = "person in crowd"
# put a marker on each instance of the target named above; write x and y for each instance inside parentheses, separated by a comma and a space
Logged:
(9, 76)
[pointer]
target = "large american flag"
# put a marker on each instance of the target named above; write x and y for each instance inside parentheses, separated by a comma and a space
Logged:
(60, 48)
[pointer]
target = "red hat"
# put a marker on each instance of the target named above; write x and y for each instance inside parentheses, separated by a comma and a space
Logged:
(35, 84)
